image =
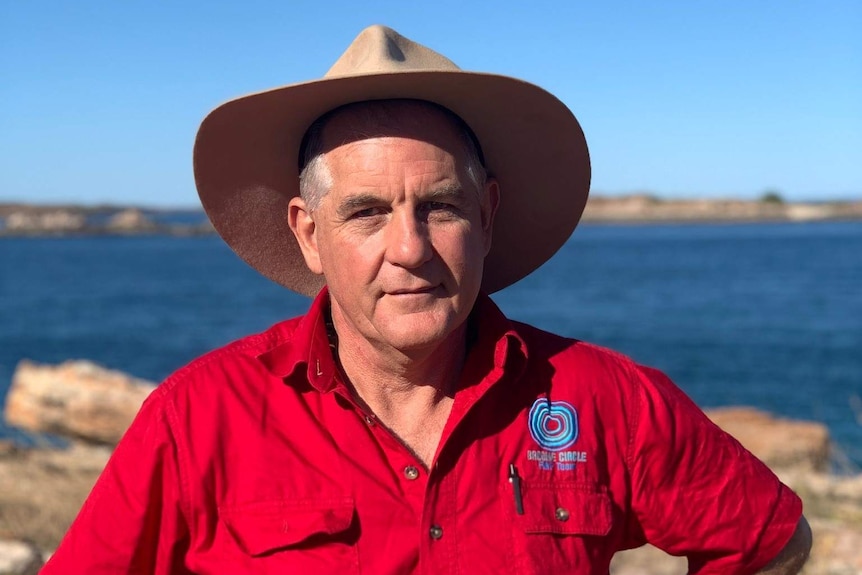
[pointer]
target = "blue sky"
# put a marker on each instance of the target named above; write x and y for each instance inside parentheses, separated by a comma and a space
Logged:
(100, 101)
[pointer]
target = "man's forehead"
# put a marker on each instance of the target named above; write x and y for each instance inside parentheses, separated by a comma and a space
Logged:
(393, 162)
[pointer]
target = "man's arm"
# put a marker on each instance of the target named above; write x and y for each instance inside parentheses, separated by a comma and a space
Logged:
(738, 515)
(132, 522)
(793, 556)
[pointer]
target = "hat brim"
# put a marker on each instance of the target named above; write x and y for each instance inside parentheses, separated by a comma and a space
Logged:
(246, 172)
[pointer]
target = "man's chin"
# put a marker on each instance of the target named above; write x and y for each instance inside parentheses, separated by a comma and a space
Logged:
(410, 337)
(409, 343)
(414, 302)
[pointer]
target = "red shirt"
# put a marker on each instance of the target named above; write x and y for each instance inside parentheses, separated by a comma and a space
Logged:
(256, 459)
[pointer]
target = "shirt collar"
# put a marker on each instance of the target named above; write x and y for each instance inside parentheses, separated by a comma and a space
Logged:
(497, 349)
(307, 345)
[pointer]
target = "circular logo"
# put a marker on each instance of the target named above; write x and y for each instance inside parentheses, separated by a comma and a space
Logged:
(553, 424)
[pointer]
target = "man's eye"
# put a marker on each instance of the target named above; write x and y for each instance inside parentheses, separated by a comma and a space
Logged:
(367, 213)
(429, 207)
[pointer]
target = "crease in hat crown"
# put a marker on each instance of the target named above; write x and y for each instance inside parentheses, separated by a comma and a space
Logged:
(380, 50)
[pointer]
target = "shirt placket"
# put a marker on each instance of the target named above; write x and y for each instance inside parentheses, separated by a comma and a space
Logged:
(406, 467)
(416, 486)
(439, 530)
(431, 495)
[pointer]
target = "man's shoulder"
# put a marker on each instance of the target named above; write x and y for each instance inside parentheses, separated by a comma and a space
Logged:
(573, 367)
(544, 345)
(232, 359)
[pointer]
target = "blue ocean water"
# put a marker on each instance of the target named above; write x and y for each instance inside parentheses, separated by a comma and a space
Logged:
(768, 315)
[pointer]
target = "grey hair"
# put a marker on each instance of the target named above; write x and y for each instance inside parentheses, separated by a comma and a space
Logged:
(315, 178)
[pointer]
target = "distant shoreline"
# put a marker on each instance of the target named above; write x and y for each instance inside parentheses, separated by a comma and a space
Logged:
(644, 208)
(34, 220)
(38, 220)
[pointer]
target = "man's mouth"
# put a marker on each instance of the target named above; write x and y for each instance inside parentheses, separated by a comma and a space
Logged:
(413, 290)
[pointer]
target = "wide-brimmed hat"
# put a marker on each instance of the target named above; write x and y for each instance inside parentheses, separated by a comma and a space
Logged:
(246, 155)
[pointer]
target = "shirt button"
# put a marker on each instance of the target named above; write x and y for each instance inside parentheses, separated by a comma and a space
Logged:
(411, 472)
(436, 532)
(562, 514)
(369, 419)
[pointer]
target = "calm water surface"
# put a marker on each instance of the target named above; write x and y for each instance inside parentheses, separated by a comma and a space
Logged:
(762, 315)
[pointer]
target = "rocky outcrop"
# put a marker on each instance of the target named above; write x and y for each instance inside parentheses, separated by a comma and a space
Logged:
(639, 208)
(77, 399)
(107, 220)
(830, 497)
(767, 437)
(19, 558)
(41, 491)
(50, 222)
(130, 221)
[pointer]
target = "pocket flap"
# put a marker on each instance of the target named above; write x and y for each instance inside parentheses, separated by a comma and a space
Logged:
(566, 509)
(262, 527)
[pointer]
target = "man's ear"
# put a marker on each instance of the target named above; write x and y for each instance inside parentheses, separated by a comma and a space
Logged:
(301, 223)
(490, 203)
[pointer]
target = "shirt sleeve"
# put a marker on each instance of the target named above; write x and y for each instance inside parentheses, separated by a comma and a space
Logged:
(696, 492)
(132, 521)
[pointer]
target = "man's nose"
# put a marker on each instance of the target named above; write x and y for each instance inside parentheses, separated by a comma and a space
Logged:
(407, 241)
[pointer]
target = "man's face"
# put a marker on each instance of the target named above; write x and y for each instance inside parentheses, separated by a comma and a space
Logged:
(402, 234)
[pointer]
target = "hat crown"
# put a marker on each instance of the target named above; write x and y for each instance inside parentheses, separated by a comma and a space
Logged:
(379, 50)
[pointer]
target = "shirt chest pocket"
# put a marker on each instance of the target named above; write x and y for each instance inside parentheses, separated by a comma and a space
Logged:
(564, 528)
(300, 536)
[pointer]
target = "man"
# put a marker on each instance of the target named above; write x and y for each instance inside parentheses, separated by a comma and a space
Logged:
(404, 425)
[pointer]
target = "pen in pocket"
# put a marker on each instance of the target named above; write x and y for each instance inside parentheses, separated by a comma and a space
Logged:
(515, 480)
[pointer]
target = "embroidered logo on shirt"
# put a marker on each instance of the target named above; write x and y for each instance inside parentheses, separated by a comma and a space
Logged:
(554, 426)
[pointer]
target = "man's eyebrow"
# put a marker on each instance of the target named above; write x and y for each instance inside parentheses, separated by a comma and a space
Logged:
(446, 191)
(360, 201)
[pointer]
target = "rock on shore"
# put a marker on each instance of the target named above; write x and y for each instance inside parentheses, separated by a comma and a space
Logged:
(19, 558)
(130, 220)
(78, 399)
(93, 406)
(50, 222)
(767, 437)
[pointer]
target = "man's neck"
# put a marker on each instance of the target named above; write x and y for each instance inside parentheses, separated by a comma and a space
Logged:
(409, 392)
(380, 374)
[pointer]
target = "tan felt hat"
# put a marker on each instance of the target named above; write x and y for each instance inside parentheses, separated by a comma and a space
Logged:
(246, 155)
